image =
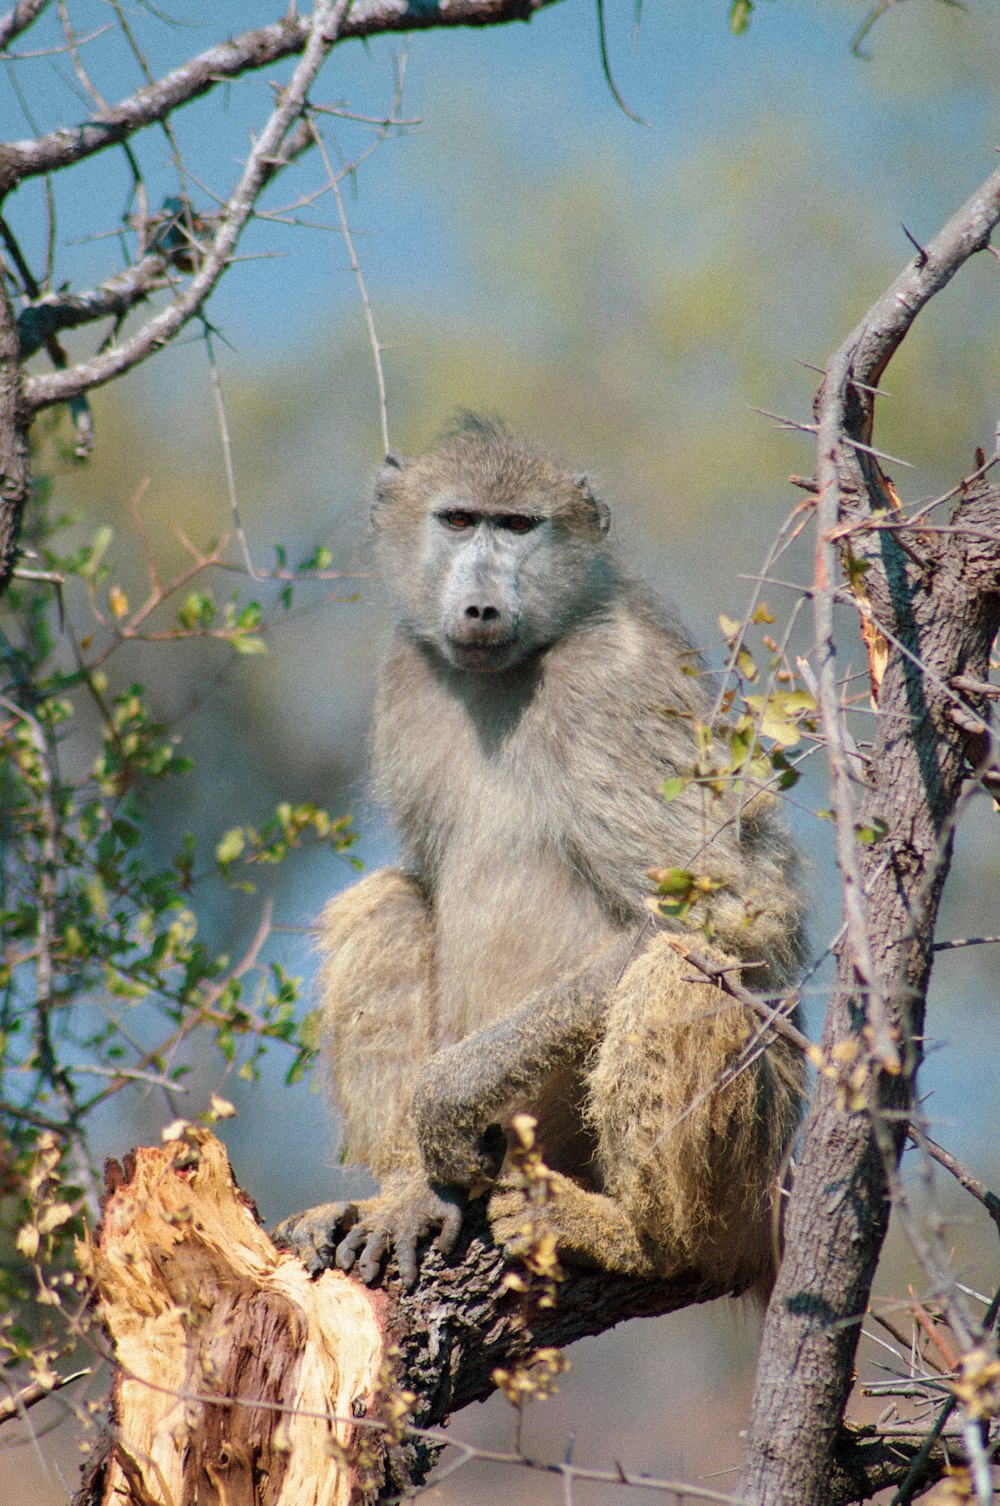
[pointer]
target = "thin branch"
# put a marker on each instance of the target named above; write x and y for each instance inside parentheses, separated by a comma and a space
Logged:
(961, 1173)
(774, 1016)
(57, 311)
(373, 338)
(948, 946)
(253, 50)
(18, 1402)
(227, 454)
(22, 55)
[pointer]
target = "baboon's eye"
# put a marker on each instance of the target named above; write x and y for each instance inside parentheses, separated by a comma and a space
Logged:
(518, 522)
(455, 518)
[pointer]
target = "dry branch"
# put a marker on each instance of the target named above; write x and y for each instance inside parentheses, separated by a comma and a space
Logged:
(284, 135)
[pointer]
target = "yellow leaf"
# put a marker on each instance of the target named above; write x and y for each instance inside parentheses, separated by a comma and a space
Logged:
(118, 602)
(54, 1215)
(27, 1241)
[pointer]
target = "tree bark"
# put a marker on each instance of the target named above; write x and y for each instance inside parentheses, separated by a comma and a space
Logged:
(15, 474)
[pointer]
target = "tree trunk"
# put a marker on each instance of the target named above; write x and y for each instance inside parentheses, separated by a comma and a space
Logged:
(929, 602)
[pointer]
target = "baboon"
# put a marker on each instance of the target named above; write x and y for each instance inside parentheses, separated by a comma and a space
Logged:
(533, 702)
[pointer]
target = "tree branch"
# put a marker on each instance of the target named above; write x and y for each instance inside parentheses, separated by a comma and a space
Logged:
(41, 391)
(329, 23)
(210, 1320)
(19, 18)
(39, 321)
(942, 623)
(255, 49)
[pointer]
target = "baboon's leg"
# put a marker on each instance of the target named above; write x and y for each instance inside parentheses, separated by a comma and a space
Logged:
(692, 1117)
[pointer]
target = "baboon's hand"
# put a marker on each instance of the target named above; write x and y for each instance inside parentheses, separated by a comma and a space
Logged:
(408, 1210)
(456, 1148)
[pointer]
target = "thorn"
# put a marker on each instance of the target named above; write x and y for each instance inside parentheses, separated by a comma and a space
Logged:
(602, 37)
(860, 386)
(785, 423)
(805, 483)
(921, 257)
(879, 454)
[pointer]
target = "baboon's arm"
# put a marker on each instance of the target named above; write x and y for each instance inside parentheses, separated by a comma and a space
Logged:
(467, 1087)
(376, 943)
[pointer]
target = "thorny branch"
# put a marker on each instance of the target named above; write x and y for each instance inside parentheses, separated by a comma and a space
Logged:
(41, 391)
(935, 624)
(253, 50)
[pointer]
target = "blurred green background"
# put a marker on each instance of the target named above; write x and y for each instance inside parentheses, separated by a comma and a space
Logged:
(624, 294)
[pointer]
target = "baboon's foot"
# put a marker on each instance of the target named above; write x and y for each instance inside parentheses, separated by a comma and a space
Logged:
(315, 1233)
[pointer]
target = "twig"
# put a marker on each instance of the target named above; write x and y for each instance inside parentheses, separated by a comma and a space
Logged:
(961, 1173)
(19, 18)
(373, 339)
(29, 1396)
(227, 454)
(947, 946)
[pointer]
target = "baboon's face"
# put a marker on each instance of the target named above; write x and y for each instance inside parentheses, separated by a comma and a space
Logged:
(488, 566)
(493, 553)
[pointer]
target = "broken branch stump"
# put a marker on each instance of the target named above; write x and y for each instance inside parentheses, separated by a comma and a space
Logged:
(239, 1375)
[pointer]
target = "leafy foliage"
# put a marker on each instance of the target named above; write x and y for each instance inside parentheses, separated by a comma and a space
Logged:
(105, 972)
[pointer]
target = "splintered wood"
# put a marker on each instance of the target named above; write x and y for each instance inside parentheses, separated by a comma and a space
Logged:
(239, 1376)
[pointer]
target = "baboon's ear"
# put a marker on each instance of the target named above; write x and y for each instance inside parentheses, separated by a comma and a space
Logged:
(601, 509)
(390, 471)
(385, 482)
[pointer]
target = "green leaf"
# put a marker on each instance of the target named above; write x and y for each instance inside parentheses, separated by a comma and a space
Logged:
(674, 881)
(781, 714)
(673, 787)
(311, 1030)
(197, 611)
(745, 664)
(93, 558)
